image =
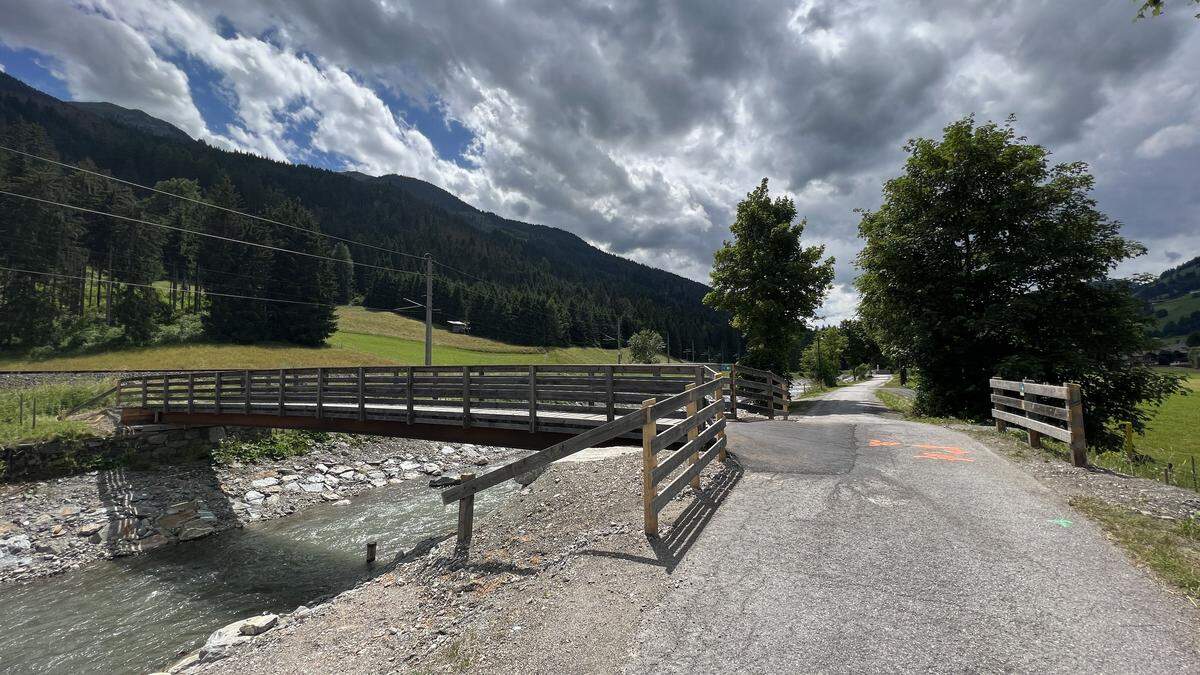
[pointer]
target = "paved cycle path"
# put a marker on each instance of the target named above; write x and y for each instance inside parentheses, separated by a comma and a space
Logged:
(857, 542)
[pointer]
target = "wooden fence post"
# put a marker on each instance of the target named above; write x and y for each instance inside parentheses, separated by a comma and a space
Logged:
(246, 387)
(166, 392)
(466, 518)
(362, 398)
(282, 384)
(770, 397)
(1001, 425)
(649, 431)
(532, 399)
(191, 385)
(466, 396)
(733, 390)
(692, 409)
(410, 394)
(722, 455)
(217, 391)
(608, 392)
(320, 392)
(787, 398)
(1075, 424)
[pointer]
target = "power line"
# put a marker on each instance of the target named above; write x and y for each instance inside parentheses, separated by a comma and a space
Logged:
(151, 286)
(466, 274)
(204, 203)
(205, 234)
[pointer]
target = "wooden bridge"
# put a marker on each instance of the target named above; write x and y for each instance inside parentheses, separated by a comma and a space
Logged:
(529, 407)
(675, 412)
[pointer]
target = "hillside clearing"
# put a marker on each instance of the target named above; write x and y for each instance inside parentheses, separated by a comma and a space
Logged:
(364, 338)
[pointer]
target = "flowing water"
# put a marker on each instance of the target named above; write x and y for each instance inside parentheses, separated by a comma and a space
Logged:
(133, 615)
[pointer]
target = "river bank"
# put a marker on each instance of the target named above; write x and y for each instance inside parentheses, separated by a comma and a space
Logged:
(558, 550)
(50, 526)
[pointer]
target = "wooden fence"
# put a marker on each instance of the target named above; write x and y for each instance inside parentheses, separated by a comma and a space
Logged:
(704, 428)
(759, 391)
(702, 424)
(538, 398)
(1042, 410)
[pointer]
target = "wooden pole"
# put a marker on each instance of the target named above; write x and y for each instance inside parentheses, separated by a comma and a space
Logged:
(191, 392)
(1035, 439)
(466, 518)
(428, 309)
(371, 546)
(733, 390)
(362, 399)
(1075, 424)
(320, 392)
(723, 454)
(692, 409)
(217, 379)
(610, 402)
(532, 399)
(649, 430)
(246, 386)
(282, 386)
(1001, 425)
(466, 395)
(409, 374)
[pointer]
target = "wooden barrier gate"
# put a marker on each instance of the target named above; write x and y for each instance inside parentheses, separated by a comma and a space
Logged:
(1042, 410)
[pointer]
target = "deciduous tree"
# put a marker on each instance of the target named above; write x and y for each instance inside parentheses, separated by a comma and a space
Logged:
(767, 279)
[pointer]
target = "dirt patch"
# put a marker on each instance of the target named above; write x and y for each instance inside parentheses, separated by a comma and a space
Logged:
(568, 546)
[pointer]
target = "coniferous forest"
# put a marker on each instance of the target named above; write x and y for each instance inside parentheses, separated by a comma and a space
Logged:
(513, 281)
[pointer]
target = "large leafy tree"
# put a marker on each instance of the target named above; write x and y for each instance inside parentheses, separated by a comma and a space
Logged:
(767, 279)
(986, 260)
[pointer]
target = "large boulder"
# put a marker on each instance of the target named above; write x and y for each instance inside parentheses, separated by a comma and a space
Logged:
(223, 640)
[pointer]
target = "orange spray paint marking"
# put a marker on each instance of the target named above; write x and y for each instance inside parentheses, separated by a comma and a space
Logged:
(876, 444)
(947, 458)
(943, 448)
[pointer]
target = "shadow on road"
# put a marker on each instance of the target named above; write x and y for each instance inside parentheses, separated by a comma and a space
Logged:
(671, 548)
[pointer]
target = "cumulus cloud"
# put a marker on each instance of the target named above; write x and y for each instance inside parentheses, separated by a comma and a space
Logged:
(639, 125)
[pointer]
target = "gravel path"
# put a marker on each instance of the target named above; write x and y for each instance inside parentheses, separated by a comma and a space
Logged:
(860, 542)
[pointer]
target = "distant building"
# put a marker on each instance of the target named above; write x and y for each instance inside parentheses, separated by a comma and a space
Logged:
(459, 326)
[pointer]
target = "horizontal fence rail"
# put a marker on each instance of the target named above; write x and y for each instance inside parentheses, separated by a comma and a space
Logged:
(1042, 410)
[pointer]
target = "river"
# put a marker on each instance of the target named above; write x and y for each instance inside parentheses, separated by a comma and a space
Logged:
(135, 614)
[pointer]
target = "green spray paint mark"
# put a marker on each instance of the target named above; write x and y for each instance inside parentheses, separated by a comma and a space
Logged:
(1061, 522)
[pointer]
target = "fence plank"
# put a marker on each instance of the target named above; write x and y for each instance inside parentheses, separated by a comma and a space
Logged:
(668, 493)
(1027, 423)
(1050, 390)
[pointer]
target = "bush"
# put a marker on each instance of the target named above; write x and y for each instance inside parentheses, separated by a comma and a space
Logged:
(644, 346)
(278, 444)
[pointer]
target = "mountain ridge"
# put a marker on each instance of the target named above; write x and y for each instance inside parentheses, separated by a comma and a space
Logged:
(525, 263)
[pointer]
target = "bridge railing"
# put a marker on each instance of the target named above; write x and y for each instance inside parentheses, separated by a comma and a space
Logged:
(537, 398)
(1042, 410)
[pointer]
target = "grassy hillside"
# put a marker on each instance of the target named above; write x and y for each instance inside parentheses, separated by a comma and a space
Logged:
(363, 338)
(1176, 308)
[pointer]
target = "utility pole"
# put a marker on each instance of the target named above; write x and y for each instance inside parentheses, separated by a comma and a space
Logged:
(428, 309)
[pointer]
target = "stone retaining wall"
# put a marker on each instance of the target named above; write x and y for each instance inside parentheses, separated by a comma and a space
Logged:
(30, 461)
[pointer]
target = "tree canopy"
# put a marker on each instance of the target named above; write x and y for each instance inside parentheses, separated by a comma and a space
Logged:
(645, 346)
(985, 260)
(767, 280)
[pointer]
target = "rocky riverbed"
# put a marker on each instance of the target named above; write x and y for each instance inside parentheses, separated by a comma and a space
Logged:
(50, 526)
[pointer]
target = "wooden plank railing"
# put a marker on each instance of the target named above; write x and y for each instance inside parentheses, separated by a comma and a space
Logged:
(1042, 410)
(759, 391)
(537, 398)
(704, 427)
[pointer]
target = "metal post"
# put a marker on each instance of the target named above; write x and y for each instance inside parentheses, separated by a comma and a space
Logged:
(428, 309)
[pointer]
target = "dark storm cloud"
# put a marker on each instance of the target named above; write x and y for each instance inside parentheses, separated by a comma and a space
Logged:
(638, 125)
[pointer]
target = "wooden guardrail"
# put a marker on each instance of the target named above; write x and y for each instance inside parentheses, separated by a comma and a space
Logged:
(759, 391)
(539, 398)
(1042, 410)
(704, 428)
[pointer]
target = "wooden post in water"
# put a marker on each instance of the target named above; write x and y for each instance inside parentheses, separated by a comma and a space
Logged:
(371, 551)
(649, 430)
(466, 519)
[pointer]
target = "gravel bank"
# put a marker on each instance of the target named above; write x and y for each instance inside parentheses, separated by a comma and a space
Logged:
(560, 550)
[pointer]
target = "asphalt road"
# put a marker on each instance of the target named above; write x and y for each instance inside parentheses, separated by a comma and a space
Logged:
(857, 542)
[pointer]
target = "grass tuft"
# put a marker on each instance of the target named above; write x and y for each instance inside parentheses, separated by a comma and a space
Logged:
(18, 427)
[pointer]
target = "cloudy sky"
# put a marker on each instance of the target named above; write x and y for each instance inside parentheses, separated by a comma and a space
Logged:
(639, 125)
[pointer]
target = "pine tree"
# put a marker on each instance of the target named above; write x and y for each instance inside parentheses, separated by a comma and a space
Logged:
(345, 274)
(301, 278)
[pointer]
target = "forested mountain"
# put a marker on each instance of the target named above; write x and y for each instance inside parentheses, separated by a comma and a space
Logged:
(1174, 299)
(514, 281)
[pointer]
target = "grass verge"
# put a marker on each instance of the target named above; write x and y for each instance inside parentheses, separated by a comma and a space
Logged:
(1170, 548)
(17, 408)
